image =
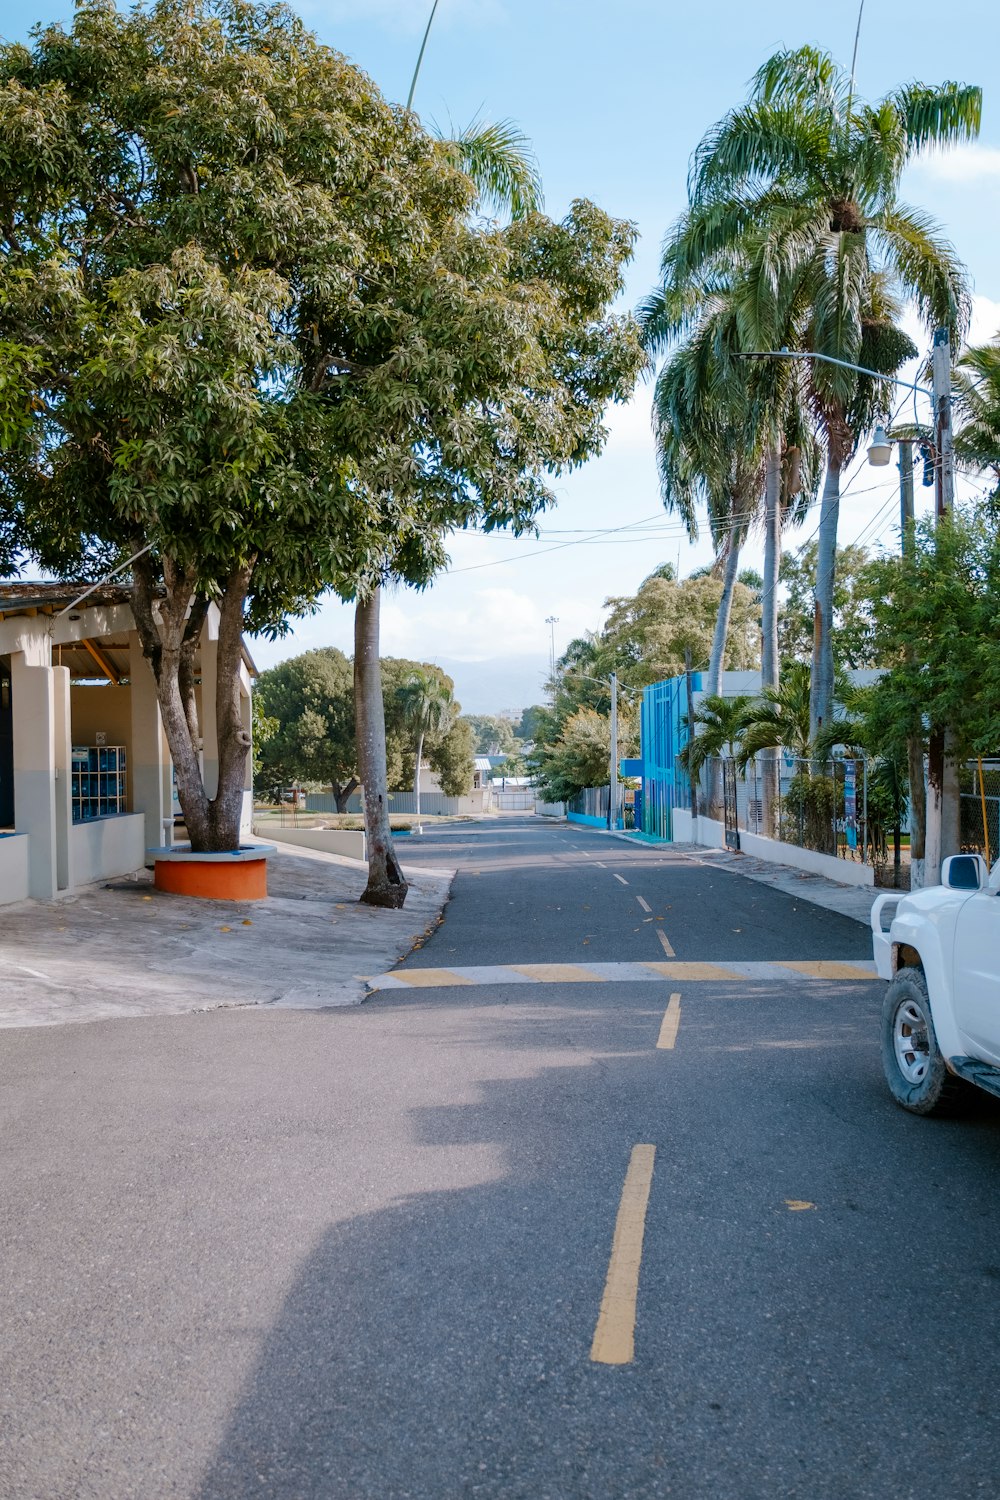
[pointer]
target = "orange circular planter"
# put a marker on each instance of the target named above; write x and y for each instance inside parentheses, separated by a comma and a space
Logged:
(240, 875)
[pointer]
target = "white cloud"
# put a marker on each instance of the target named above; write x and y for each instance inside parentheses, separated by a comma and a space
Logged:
(967, 163)
(985, 324)
(494, 622)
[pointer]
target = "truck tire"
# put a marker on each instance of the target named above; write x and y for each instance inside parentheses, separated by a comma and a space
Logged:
(916, 1074)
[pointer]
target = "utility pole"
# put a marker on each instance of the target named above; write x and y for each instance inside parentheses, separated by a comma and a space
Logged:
(552, 621)
(943, 804)
(914, 740)
(613, 785)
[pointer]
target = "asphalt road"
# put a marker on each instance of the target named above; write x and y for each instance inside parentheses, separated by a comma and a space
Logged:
(362, 1255)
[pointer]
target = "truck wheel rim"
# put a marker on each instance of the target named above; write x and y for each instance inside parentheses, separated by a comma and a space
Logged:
(911, 1039)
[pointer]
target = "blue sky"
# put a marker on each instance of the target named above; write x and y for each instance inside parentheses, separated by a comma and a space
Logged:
(615, 97)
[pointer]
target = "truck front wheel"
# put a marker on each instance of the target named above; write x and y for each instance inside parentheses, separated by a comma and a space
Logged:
(914, 1068)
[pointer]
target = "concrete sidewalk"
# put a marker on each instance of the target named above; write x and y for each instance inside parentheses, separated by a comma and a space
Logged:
(123, 948)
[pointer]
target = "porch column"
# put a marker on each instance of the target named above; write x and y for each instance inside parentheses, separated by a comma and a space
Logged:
(63, 747)
(148, 779)
(34, 716)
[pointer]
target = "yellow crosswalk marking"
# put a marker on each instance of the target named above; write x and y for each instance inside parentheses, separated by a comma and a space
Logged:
(429, 979)
(557, 973)
(688, 969)
(824, 968)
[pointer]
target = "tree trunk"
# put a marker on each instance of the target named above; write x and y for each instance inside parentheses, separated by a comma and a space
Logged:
(935, 787)
(343, 794)
(169, 640)
(918, 808)
(821, 694)
(386, 886)
(416, 776)
(769, 664)
(716, 662)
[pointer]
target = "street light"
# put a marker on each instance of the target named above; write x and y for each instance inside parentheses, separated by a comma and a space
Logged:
(879, 449)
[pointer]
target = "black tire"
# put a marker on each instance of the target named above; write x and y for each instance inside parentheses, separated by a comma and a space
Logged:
(917, 1077)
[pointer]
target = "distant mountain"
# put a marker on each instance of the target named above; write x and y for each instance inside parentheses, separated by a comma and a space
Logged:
(498, 684)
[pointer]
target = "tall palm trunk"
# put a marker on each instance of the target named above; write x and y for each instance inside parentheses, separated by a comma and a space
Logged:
(769, 667)
(716, 661)
(386, 885)
(821, 694)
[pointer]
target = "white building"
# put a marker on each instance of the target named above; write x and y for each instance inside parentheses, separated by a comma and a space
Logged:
(86, 783)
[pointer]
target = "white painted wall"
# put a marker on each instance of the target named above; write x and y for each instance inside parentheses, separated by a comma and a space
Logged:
(13, 868)
(107, 847)
(347, 841)
(845, 871)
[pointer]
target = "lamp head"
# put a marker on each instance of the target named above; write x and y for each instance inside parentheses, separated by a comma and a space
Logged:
(880, 448)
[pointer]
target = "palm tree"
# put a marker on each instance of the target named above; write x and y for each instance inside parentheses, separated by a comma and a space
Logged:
(977, 409)
(801, 183)
(715, 730)
(428, 707)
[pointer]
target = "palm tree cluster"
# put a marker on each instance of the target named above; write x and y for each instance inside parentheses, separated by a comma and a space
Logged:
(795, 239)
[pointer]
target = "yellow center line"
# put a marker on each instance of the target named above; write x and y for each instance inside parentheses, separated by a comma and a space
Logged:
(671, 1021)
(665, 942)
(614, 1336)
(644, 904)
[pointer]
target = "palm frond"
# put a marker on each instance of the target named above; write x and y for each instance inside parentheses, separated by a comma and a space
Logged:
(939, 115)
(803, 75)
(498, 158)
(759, 144)
(926, 266)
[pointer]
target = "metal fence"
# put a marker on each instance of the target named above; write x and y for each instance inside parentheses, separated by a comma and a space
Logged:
(814, 805)
(979, 788)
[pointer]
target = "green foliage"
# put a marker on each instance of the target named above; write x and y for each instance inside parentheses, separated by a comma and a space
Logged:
(248, 322)
(977, 410)
(578, 757)
(779, 718)
(492, 735)
(264, 729)
(310, 701)
(647, 634)
(527, 728)
(935, 630)
(451, 756)
(808, 809)
(718, 725)
(853, 645)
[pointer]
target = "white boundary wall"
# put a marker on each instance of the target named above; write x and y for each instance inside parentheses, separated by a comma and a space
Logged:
(712, 835)
(13, 868)
(845, 871)
(349, 842)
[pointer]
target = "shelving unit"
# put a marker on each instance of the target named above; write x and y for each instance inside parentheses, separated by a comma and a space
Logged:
(99, 789)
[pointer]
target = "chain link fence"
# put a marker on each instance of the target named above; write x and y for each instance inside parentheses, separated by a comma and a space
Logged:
(979, 788)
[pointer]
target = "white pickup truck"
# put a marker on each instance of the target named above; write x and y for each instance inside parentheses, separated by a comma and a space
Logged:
(941, 1014)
